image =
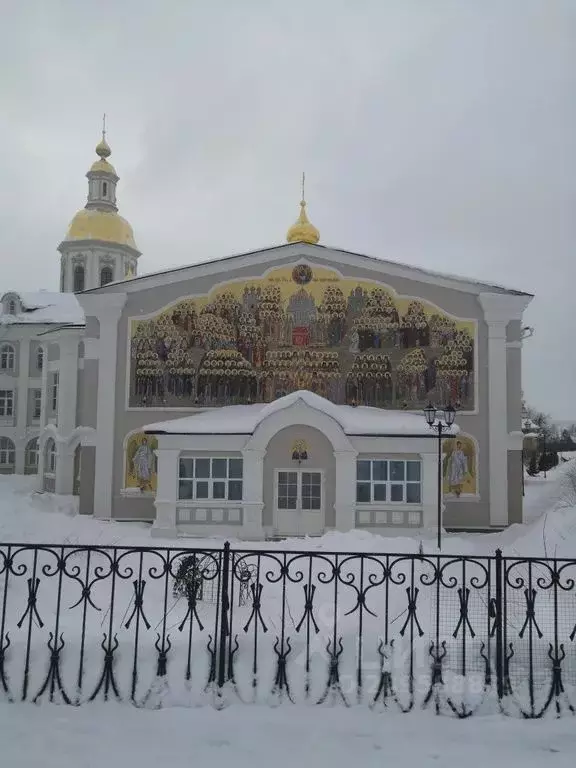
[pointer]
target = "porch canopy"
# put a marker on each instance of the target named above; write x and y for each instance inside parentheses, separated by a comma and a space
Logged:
(244, 419)
(299, 465)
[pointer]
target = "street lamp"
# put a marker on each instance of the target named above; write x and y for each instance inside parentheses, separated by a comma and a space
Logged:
(441, 422)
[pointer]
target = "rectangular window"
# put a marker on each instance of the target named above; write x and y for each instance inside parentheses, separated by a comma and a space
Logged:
(6, 402)
(396, 481)
(210, 479)
(287, 490)
(54, 392)
(36, 403)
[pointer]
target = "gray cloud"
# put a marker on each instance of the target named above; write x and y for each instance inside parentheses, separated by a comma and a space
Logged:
(434, 132)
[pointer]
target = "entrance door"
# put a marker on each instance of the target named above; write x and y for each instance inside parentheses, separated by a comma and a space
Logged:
(299, 502)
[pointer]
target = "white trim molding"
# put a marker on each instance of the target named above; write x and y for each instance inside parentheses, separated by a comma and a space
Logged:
(499, 310)
(107, 308)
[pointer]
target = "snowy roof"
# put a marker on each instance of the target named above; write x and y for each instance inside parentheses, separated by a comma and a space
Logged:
(304, 247)
(45, 307)
(244, 419)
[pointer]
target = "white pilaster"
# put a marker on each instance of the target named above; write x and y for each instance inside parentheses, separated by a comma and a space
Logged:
(64, 480)
(253, 484)
(430, 490)
(345, 505)
(499, 310)
(43, 418)
(166, 493)
(107, 308)
(22, 403)
(67, 385)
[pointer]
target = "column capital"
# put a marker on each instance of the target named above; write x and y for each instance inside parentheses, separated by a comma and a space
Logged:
(503, 307)
(68, 343)
(106, 307)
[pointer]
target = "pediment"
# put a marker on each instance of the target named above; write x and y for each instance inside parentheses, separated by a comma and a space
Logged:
(307, 253)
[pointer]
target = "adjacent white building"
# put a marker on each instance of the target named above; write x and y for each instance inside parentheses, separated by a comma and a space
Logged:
(41, 347)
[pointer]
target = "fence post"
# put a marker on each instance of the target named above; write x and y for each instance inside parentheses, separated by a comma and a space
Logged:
(499, 627)
(224, 610)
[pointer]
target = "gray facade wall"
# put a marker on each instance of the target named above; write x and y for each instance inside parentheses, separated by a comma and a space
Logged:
(514, 387)
(87, 466)
(458, 303)
(53, 352)
(515, 472)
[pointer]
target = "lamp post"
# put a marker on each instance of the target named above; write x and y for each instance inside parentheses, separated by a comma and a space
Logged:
(440, 421)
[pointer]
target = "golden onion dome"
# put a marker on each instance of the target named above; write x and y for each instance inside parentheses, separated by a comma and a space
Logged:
(302, 231)
(102, 166)
(102, 148)
(94, 224)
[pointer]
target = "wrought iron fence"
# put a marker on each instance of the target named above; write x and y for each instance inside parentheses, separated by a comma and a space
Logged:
(162, 626)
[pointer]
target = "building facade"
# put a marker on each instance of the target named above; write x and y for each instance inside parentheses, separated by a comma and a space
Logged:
(270, 393)
(253, 328)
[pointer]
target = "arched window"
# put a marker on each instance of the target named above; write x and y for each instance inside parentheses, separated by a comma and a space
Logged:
(104, 189)
(31, 457)
(79, 278)
(7, 357)
(7, 453)
(39, 358)
(12, 307)
(106, 275)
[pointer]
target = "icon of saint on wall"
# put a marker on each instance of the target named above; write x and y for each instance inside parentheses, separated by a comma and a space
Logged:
(459, 466)
(141, 463)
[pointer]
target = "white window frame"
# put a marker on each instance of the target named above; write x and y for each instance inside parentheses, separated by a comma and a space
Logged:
(300, 471)
(6, 402)
(7, 357)
(7, 452)
(389, 482)
(192, 481)
(36, 403)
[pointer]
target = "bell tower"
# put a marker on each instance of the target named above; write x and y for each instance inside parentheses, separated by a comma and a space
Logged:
(99, 247)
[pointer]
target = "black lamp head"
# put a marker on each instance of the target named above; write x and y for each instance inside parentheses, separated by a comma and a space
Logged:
(430, 414)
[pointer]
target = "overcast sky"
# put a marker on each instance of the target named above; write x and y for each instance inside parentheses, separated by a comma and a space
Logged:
(440, 133)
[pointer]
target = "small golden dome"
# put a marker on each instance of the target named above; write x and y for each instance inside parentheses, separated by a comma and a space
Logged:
(103, 149)
(93, 224)
(103, 166)
(303, 231)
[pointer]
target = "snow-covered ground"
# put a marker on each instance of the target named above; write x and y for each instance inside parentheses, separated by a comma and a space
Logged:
(97, 734)
(549, 528)
(260, 737)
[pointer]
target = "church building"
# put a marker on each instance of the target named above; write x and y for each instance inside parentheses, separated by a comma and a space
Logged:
(281, 391)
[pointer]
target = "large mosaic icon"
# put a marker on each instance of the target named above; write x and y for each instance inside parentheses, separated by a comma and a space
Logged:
(351, 341)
